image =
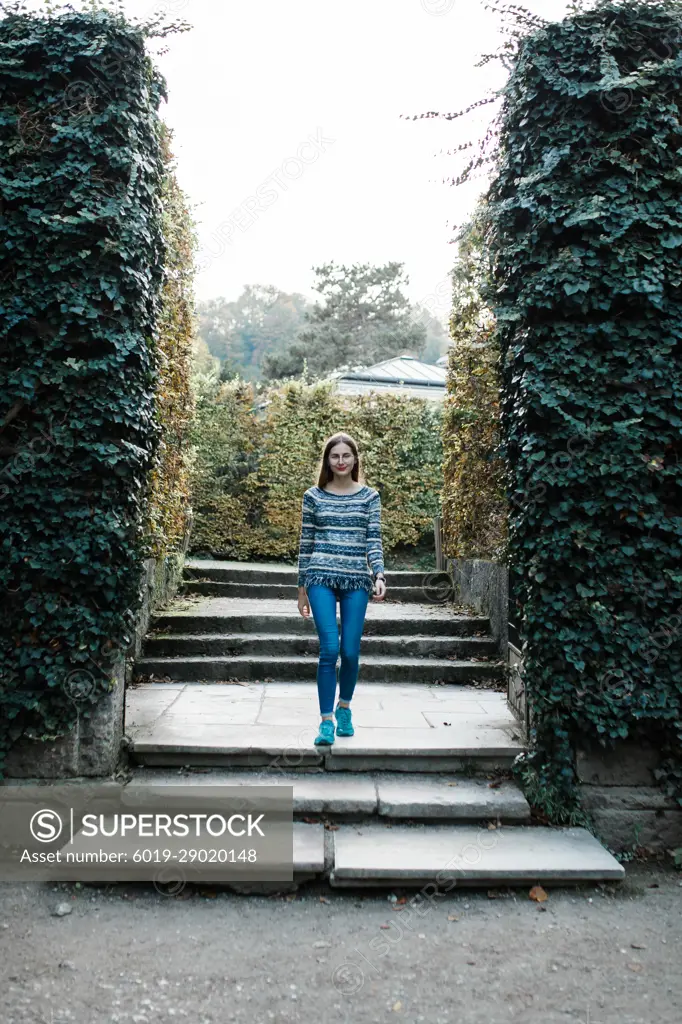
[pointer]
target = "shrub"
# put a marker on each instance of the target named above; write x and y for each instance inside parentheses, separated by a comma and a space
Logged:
(252, 465)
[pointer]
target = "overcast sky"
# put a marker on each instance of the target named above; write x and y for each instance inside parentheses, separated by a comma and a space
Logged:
(289, 139)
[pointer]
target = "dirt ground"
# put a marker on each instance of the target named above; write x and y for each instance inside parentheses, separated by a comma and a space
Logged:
(594, 955)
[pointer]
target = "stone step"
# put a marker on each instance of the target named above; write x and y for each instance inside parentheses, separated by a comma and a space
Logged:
(384, 795)
(456, 855)
(186, 725)
(212, 616)
(178, 645)
(281, 591)
(248, 572)
(296, 667)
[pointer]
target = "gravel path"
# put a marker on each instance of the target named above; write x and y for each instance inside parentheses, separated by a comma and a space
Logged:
(593, 955)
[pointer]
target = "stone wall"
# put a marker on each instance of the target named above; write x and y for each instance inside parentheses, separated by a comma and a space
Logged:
(623, 798)
(93, 748)
(619, 789)
(483, 587)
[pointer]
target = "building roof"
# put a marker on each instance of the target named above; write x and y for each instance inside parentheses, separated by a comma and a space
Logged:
(404, 374)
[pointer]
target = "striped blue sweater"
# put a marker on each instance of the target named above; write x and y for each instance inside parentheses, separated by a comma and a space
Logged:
(340, 539)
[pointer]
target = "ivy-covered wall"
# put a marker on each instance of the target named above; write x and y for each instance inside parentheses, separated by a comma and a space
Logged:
(83, 242)
(251, 467)
(585, 243)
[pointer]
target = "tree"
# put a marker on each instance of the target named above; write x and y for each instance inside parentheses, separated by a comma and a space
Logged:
(363, 317)
(239, 333)
(437, 339)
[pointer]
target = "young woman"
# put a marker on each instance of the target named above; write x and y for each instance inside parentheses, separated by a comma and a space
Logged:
(340, 559)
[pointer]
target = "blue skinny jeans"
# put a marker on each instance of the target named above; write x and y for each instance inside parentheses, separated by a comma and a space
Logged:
(353, 605)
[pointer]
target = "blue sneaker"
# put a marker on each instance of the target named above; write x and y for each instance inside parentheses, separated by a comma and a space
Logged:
(344, 721)
(326, 733)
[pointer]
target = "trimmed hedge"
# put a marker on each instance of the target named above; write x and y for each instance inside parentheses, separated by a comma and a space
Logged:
(81, 232)
(168, 513)
(474, 501)
(586, 285)
(252, 467)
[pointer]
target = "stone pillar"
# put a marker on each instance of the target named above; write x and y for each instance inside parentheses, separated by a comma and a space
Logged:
(91, 749)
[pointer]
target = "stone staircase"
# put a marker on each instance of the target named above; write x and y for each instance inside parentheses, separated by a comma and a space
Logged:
(225, 693)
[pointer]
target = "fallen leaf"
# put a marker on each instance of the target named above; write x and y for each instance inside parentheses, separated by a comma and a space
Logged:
(635, 967)
(384, 926)
(331, 828)
(397, 1006)
(538, 894)
(453, 917)
(493, 894)
(290, 897)
(495, 784)
(323, 899)
(492, 826)
(636, 945)
(402, 899)
(312, 821)
(452, 783)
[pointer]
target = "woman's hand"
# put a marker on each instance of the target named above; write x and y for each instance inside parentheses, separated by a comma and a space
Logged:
(379, 590)
(303, 603)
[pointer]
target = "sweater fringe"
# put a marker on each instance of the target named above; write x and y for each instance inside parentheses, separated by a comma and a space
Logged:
(341, 582)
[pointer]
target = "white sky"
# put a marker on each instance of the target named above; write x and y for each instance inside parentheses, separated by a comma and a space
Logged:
(255, 79)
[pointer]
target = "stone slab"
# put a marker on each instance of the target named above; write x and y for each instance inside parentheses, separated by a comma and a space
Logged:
(464, 741)
(230, 713)
(450, 719)
(389, 795)
(308, 848)
(184, 736)
(308, 851)
(256, 668)
(314, 793)
(211, 759)
(464, 854)
(199, 735)
(391, 718)
(209, 607)
(307, 701)
(192, 695)
(433, 764)
(471, 799)
(251, 724)
(249, 614)
(258, 643)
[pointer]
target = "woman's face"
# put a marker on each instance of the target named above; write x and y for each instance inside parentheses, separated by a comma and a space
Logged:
(341, 459)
